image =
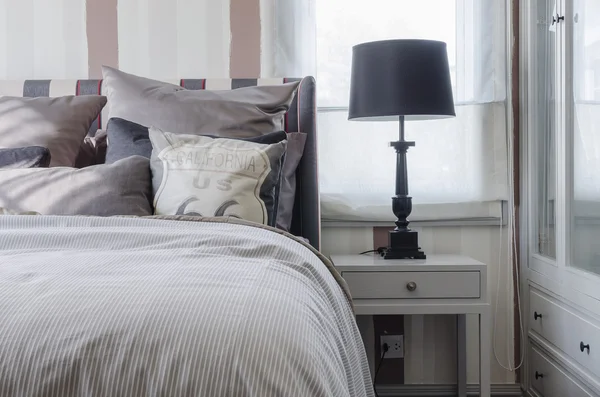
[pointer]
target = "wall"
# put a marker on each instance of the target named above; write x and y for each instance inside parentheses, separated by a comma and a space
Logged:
(165, 39)
(42, 39)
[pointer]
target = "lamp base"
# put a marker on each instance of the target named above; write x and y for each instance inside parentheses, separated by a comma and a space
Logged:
(403, 244)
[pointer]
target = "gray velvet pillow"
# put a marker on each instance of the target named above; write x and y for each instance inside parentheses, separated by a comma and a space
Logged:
(25, 157)
(122, 188)
(60, 124)
(204, 176)
(126, 138)
(240, 113)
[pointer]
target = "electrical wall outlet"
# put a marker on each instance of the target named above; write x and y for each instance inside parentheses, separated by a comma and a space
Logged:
(395, 344)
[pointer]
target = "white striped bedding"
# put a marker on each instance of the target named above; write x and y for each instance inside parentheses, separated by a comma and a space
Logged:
(158, 307)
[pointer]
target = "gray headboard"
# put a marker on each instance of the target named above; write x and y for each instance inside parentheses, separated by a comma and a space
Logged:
(300, 118)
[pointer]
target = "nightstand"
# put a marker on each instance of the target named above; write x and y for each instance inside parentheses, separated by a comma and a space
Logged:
(440, 284)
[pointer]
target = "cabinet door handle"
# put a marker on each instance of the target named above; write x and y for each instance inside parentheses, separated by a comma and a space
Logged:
(583, 347)
(557, 19)
(538, 375)
(411, 286)
(536, 315)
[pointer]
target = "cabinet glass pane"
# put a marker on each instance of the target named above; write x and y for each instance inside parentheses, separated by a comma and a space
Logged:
(584, 25)
(543, 170)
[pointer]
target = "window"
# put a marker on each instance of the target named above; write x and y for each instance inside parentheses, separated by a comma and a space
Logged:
(586, 92)
(458, 168)
(586, 49)
(459, 163)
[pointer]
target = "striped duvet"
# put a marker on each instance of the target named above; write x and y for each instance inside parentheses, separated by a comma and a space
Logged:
(163, 307)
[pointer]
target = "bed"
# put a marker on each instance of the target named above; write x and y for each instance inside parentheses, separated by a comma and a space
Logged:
(177, 304)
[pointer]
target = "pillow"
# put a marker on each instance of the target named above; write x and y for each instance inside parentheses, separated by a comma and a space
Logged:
(101, 143)
(60, 124)
(92, 150)
(127, 138)
(287, 191)
(243, 112)
(5, 211)
(25, 157)
(122, 188)
(205, 176)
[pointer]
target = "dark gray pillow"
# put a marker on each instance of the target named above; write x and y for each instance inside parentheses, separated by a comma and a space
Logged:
(126, 138)
(121, 188)
(287, 189)
(25, 157)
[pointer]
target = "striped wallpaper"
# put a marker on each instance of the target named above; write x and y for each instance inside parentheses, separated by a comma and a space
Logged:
(43, 39)
(163, 39)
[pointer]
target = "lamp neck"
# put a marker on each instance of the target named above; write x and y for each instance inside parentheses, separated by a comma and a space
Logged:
(401, 128)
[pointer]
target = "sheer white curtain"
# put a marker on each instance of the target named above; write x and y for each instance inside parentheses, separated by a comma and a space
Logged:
(458, 168)
(288, 37)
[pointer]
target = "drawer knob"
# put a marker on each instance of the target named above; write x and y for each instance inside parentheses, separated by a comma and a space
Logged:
(538, 375)
(536, 315)
(411, 286)
(583, 347)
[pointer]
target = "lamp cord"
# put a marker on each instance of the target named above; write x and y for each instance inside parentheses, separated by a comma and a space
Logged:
(385, 350)
(379, 251)
(367, 252)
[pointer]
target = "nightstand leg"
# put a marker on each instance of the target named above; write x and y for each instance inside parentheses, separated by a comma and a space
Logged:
(461, 354)
(485, 347)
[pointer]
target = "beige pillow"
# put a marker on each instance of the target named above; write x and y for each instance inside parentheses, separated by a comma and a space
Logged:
(121, 188)
(240, 113)
(205, 176)
(59, 124)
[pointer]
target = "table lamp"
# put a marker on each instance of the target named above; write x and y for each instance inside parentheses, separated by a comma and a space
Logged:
(398, 80)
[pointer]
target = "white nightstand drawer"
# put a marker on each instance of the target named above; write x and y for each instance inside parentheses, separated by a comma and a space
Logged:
(398, 285)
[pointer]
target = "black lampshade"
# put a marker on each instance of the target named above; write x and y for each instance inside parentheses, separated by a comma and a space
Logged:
(394, 78)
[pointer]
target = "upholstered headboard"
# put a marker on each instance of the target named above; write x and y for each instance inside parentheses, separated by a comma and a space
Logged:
(300, 118)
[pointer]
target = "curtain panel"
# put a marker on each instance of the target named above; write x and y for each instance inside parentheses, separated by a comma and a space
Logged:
(458, 168)
(43, 39)
(288, 37)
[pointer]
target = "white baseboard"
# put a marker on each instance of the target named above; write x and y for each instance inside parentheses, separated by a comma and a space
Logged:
(498, 390)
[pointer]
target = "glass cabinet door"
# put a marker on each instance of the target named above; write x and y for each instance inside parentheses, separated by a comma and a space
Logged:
(543, 165)
(583, 23)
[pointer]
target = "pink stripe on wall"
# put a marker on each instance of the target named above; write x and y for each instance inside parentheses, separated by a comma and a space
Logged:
(102, 35)
(245, 39)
